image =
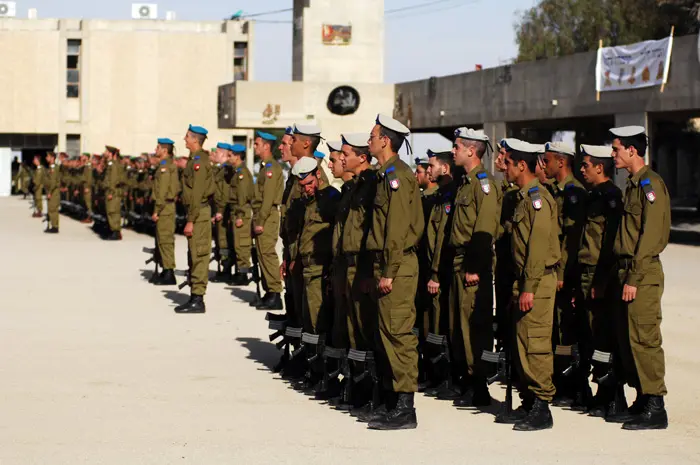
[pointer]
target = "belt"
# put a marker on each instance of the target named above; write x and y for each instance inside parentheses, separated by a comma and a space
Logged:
(626, 262)
(311, 260)
(550, 269)
(169, 201)
(378, 255)
(350, 259)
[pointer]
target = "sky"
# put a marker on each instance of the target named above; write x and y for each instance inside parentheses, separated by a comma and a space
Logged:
(445, 37)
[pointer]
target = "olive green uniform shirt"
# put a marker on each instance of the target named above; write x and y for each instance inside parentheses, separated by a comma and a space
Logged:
(268, 191)
(570, 196)
(315, 240)
(397, 216)
(166, 185)
(359, 217)
(197, 184)
(341, 215)
(535, 235)
(241, 192)
(645, 226)
(438, 228)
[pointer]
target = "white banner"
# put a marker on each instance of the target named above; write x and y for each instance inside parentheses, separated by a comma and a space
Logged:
(644, 64)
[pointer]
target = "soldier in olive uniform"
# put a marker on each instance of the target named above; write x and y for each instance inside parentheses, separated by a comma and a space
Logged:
(643, 234)
(241, 199)
(397, 226)
(165, 189)
(85, 184)
(268, 196)
(439, 255)
(597, 267)
(536, 254)
(221, 175)
(38, 180)
(197, 190)
(474, 228)
(53, 193)
(570, 196)
(112, 182)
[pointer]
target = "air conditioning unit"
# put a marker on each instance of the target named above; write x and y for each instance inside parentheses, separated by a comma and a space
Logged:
(8, 9)
(144, 11)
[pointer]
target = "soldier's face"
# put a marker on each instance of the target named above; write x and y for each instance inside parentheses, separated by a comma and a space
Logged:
(286, 148)
(620, 154)
(435, 170)
(460, 153)
(421, 176)
(376, 141)
(589, 171)
(500, 163)
(541, 170)
(309, 185)
(512, 168)
(335, 165)
(552, 164)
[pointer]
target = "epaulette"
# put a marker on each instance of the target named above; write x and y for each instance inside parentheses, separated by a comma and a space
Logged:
(535, 197)
(573, 198)
(648, 190)
(483, 178)
(163, 162)
(393, 179)
(268, 165)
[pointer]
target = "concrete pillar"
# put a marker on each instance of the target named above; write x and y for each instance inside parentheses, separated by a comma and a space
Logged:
(496, 131)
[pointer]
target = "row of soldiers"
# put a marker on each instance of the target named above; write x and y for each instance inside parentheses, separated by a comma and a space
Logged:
(393, 288)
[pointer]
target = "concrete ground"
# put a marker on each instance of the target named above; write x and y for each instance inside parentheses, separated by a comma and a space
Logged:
(96, 368)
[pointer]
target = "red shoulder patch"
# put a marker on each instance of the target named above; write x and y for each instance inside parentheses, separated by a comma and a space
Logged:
(269, 174)
(196, 167)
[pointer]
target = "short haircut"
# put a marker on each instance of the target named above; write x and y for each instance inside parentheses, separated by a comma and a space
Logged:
(639, 142)
(530, 159)
(362, 151)
(446, 159)
(315, 141)
(267, 142)
(200, 137)
(396, 140)
(608, 165)
(479, 146)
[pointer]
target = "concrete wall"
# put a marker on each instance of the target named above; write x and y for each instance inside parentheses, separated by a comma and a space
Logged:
(361, 61)
(139, 80)
(525, 91)
(305, 103)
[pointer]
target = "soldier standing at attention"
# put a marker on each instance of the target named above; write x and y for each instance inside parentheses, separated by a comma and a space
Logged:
(536, 255)
(474, 228)
(86, 183)
(598, 267)
(241, 198)
(38, 181)
(268, 196)
(427, 187)
(397, 227)
(113, 203)
(644, 232)
(165, 189)
(570, 196)
(221, 200)
(53, 193)
(197, 189)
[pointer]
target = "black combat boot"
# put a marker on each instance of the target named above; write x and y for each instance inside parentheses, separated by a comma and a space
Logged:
(258, 300)
(223, 276)
(512, 417)
(617, 411)
(583, 398)
(599, 402)
(51, 230)
(239, 279)
(272, 302)
(476, 396)
(114, 236)
(538, 418)
(166, 278)
(403, 416)
(194, 305)
(652, 417)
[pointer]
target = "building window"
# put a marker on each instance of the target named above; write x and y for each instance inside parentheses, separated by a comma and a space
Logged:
(240, 61)
(73, 68)
(73, 144)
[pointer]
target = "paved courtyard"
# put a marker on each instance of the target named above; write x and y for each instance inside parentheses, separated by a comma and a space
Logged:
(95, 367)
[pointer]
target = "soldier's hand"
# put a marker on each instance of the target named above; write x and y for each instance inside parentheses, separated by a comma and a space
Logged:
(259, 230)
(75, 192)
(109, 196)
(593, 293)
(189, 229)
(291, 266)
(86, 190)
(471, 279)
(219, 217)
(385, 285)
(526, 301)
(48, 196)
(560, 285)
(629, 293)
(283, 270)
(239, 223)
(433, 287)
(154, 217)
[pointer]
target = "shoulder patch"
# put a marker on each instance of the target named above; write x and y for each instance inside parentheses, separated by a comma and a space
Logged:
(393, 179)
(573, 198)
(484, 181)
(163, 170)
(268, 165)
(196, 166)
(648, 190)
(268, 173)
(535, 197)
(163, 162)
(196, 157)
(448, 208)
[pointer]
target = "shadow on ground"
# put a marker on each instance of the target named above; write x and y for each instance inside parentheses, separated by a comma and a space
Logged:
(262, 352)
(177, 298)
(146, 274)
(243, 294)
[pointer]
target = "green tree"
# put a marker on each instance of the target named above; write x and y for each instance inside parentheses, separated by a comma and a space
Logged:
(562, 27)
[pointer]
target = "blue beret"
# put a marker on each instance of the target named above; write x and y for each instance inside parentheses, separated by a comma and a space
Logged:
(318, 154)
(198, 130)
(266, 136)
(223, 145)
(238, 148)
(165, 140)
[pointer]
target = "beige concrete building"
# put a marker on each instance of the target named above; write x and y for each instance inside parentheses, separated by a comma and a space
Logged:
(75, 85)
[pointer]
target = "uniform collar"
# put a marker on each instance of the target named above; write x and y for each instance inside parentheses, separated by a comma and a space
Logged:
(472, 174)
(562, 185)
(431, 190)
(635, 178)
(388, 163)
(526, 188)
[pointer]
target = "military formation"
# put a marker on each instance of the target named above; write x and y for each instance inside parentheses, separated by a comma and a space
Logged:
(544, 276)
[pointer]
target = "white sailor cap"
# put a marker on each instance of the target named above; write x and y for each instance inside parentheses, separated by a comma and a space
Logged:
(422, 161)
(522, 146)
(435, 150)
(356, 139)
(390, 123)
(334, 145)
(304, 167)
(627, 131)
(597, 151)
(560, 148)
(471, 134)
(307, 130)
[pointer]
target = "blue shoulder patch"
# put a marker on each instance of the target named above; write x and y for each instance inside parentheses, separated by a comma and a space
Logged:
(645, 182)
(569, 186)
(481, 175)
(196, 157)
(268, 165)
(239, 170)
(163, 162)
(391, 169)
(534, 189)
(334, 194)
